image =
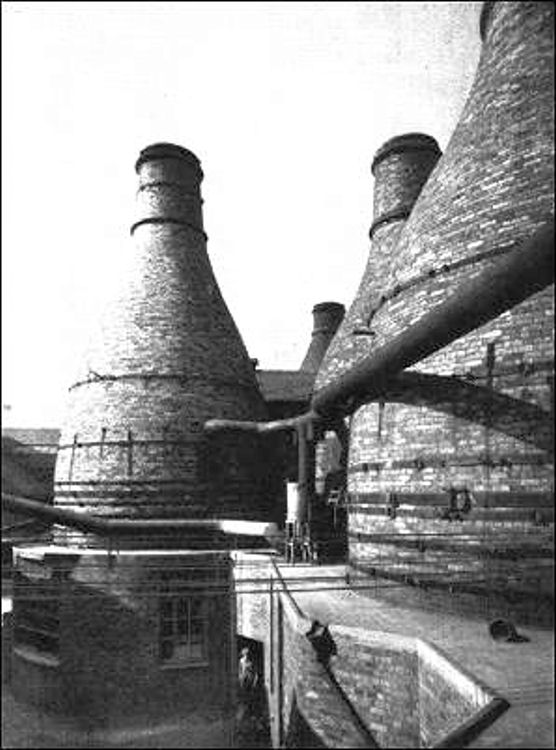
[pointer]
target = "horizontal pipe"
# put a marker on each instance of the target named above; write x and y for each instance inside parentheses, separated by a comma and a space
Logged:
(114, 527)
(218, 425)
(526, 270)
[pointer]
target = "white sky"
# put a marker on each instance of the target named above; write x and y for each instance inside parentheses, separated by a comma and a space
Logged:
(285, 104)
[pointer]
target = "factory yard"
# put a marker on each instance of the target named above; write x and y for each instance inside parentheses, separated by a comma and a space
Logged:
(523, 673)
(24, 729)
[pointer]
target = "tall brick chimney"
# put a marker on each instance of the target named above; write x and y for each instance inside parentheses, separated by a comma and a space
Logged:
(168, 357)
(400, 167)
(327, 316)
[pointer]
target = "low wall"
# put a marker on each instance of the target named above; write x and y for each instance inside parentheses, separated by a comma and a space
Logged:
(378, 690)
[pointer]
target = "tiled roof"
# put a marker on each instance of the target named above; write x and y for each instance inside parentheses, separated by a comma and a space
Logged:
(285, 385)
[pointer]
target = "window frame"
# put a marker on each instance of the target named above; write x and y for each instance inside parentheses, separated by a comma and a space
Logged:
(176, 618)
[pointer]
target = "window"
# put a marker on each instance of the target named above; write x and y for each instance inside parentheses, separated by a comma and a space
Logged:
(183, 630)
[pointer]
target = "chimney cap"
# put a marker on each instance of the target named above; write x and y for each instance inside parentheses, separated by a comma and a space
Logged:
(484, 19)
(329, 307)
(405, 142)
(166, 151)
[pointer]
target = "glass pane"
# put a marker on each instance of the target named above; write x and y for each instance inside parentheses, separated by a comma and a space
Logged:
(182, 616)
(166, 608)
(197, 632)
(166, 650)
(196, 651)
(166, 627)
(197, 607)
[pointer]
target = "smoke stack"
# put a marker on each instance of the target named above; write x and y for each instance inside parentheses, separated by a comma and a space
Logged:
(169, 358)
(400, 167)
(327, 316)
(492, 189)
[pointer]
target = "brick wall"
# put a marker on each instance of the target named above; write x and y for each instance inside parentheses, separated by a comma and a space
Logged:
(109, 672)
(381, 679)
(379, 689)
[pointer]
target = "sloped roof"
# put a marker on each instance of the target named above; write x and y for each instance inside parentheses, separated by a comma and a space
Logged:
(33, 436)
(26, 472)
(285, 385)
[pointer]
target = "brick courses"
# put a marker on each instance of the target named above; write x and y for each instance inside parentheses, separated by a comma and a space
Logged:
(167, 358)
(482, 421)
(327, 316)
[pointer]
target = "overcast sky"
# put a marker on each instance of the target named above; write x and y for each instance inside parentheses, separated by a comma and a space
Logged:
(283, 103)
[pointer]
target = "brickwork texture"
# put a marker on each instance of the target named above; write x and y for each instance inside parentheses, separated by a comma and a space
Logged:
(168, 357)
(459, 450)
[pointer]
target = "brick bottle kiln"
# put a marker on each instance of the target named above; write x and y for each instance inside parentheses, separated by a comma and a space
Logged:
(169, 358)
(450, 472)
(142, 628)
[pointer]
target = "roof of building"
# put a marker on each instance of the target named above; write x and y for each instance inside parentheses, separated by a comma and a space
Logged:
(33, 436)
(26, 472)
(285, 385)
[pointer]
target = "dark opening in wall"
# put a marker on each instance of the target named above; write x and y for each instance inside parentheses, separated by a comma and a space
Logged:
(252, 725)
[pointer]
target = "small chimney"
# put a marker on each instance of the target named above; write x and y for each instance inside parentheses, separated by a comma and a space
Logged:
(327, 317)
(401, 166)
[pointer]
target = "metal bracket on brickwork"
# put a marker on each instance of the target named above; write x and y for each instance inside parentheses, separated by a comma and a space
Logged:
(460, 504)
(102, 440)
(392, 505)
(363, 332)
(419, 464)
(539, 518)
(110, 555)
(380, 420)
(129, 453)
(73, 447)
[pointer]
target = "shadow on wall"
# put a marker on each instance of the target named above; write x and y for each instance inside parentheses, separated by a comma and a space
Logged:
(299, 732)
(478, 404)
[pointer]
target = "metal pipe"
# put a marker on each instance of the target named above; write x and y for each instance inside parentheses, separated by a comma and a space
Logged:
(113, 527)
(261, 428)
(305, 470)
(527, 269)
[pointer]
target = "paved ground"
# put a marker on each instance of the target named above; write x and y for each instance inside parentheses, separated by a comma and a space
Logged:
(523, 673)
(22, 728)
